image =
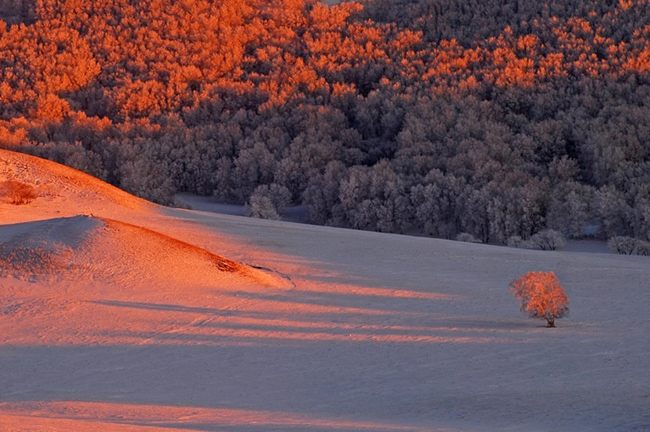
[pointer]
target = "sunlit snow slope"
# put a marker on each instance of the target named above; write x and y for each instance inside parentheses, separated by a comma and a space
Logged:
(120, 315)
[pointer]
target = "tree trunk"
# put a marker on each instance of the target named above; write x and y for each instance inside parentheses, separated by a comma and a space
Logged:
(550, 322)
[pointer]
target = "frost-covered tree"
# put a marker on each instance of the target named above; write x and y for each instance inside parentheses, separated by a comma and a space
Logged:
(642, 248)
(322, 195)
(253, 166)
(569, 208)
(614, 211)
(641, 210)
(622, 245)
(540, 295)
(145, 177)
(548, 240)
(434, 203)
(262, 207)
(472, 213)
(374, 198)
(278, 194)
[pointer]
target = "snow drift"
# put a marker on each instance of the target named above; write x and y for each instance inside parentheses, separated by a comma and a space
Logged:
(88, 247)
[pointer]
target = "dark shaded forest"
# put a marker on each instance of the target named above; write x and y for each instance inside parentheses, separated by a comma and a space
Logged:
(495, 118)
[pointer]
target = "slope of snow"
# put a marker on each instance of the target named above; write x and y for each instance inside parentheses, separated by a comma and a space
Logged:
(55, 183)
(136, 330)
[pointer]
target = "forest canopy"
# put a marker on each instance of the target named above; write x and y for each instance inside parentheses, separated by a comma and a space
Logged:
(497, 118)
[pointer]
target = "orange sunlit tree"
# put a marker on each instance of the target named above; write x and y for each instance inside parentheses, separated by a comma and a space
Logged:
(541, 296)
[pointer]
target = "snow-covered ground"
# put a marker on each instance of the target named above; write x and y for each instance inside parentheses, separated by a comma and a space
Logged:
(306, 328)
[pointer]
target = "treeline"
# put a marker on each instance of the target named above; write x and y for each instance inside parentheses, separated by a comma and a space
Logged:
(496, 118)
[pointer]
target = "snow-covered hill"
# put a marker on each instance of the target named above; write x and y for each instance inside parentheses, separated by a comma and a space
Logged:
(116, 314)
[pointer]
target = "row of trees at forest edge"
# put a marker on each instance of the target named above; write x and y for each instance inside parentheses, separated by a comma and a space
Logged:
(495, 118)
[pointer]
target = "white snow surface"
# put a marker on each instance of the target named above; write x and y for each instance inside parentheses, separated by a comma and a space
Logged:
(370, 332)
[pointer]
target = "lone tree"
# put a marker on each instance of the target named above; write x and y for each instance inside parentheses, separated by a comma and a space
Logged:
(541, 296)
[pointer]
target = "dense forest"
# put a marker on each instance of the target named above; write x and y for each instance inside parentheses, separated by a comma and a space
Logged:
(496, 118)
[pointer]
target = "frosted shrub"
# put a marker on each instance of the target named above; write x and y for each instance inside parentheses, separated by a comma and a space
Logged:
(622, 245)
(627, 246)
(16, 192)
(266, 201)
(279, 195)
(548, 240)
(467, 238)
(642, 248)
(262, 207)
(518, 242)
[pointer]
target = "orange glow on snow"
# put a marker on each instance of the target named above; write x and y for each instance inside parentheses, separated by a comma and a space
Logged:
(139, 277)
(102, 416)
